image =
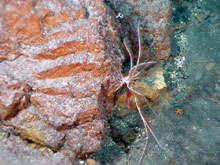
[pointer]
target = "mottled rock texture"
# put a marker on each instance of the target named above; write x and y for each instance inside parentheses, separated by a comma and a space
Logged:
(63, 51)
(15, 151)
(58, 66)
(33, 128)
(14, 96)
(153, 16)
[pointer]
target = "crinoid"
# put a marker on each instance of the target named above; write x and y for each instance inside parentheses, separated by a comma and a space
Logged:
(137, 72)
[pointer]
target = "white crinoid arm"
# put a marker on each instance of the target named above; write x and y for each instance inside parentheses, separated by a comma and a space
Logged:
(133, 75)
(130, 54)
(139, 49)
(146, 131)
(121, 83)
(147, 127)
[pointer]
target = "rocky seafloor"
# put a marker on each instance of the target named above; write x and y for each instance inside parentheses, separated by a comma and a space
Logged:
(188, 125)
(59, 62)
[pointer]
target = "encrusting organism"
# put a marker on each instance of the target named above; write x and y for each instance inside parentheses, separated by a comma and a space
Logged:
(137, 72)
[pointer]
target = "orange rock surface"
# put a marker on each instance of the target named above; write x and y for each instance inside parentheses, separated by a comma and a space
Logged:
(61, 50)
(153, 16)
(58, 63)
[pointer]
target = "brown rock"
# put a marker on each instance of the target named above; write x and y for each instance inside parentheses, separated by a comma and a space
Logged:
(64, 51)
(84, 139)
(13, 96)
(153, 16)
(8, 49)
(92, 162)
(69, 53)
(32, 128)
(16, 151)
(61, 111)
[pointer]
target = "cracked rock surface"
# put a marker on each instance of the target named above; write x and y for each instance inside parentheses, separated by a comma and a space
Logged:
(57, 74)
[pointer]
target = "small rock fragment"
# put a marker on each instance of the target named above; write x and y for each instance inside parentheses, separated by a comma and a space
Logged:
(33, 128)
(14, 96)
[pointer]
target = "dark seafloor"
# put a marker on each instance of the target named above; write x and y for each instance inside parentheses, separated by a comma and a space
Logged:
(193, 77)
